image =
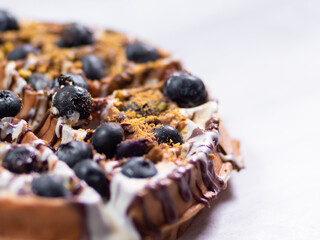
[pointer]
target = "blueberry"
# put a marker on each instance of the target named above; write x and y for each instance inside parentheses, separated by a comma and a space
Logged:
(131, 148)
(10, 104)
(94, 67)
(91, 172)
(106, 138)
(138, 167)
(70, 79)
(71, 99)
(74, 152)
(141, 53)
(7, 21)
(185, 89)
(167, 134)
(39, 81)
(49, 186)
(76, 35)
(21, 160)
(21, 52)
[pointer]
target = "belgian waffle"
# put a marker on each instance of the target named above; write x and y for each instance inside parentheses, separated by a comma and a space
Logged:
(180, 173)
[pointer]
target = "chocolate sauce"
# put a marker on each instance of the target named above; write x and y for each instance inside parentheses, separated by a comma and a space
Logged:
(209, 177)
(168, 208)
(212, 124)
(203, 199)
(153, 231)
(228, 157)
(182, 177)
(201, 161)
(22, 134)
(39, 145)
(8, 136)
(196, 132)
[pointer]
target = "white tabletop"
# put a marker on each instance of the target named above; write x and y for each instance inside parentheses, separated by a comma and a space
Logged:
(261, 59)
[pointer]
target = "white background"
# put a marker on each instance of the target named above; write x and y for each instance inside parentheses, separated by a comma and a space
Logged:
(261, 59)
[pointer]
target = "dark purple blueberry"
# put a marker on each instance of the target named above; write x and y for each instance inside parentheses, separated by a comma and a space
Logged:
(70, 79)
(7, 21)
(91, 172)
(71, 99)
(167, 134)
(141, 52)
(93, 67)
(39, 81)
(21, 160)
(106, 138)
(185, 89)
(21, 52)
(138, 167)
(49, 186)
(76, 35)
(132, 148)
(74, 152)
(10, 104)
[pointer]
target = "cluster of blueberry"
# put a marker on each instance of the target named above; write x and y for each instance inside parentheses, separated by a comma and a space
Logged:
(24, 160)
(93, 67)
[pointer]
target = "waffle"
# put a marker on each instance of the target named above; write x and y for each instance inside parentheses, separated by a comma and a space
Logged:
(190, 172)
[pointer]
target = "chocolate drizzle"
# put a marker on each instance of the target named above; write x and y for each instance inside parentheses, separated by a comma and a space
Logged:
(150, 228)
(203, 199)
(8, 127)
(22, 134)
(191, 188)
(168, 208)
(199, 157)
(196, 132)
(228, 157)
(209, 177)
(212, 124)
(182, 177)
(92, 220)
